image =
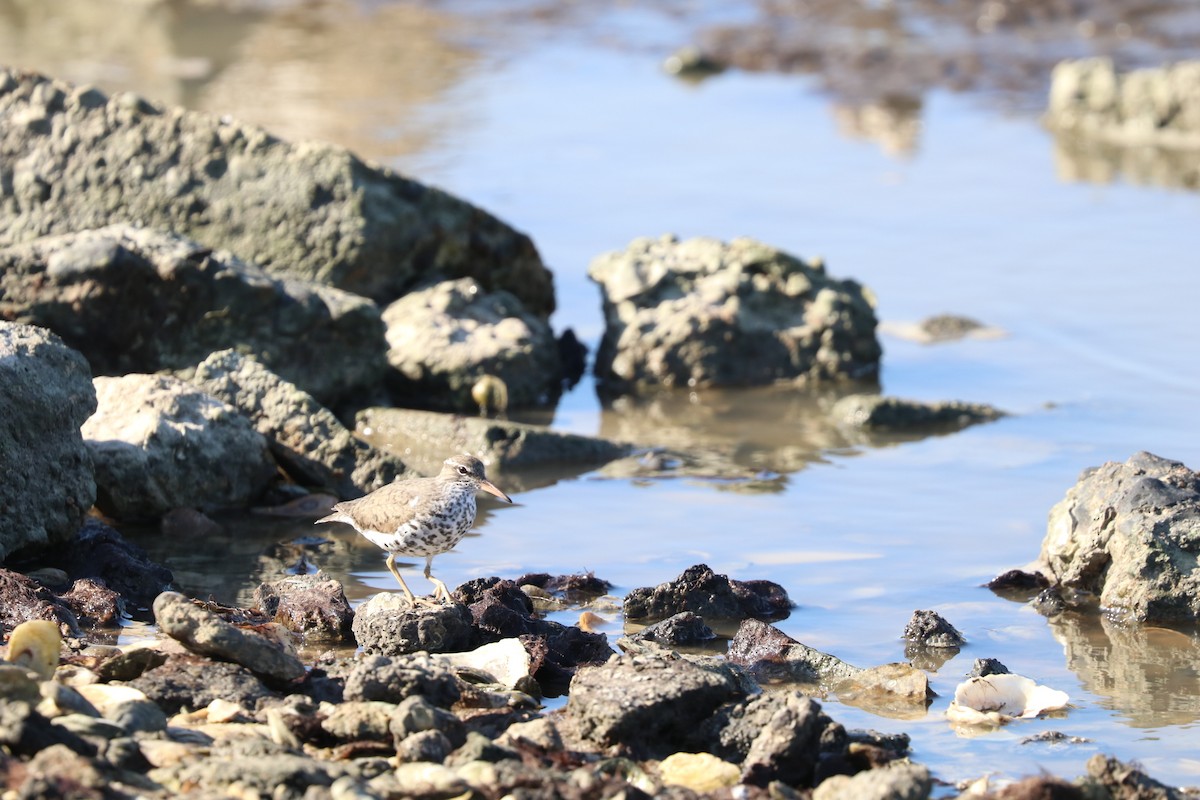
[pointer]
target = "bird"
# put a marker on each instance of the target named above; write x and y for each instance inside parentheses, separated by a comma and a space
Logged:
(420, 517)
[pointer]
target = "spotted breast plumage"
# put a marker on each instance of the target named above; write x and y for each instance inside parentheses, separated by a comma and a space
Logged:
(420, 516)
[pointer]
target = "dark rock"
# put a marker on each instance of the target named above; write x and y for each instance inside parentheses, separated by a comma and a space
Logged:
(505, 444)
(306, 211)
(650, 705)
(479, 747)
(1040, 787)
(22, 599)
(62, 773)
(1054, 737)
(987, 666)
(1016, 581)
(101, 552)
(500, 610)
(128, 665)
(159, 443)
(189, 523)
(930, 629)
(396, 678)
(307, 440)
(702, 313)
(773, 736)
(191, 301)
(315, 606)
(1129, 535)
(191, 682)
(684, 628)
(24, 731)
(444, 338)
(583, 584)
(572, 356)
(389, 625)
(415, 715)
(205, 633)
(94, 604)
(948, 327)
(46, 393)
(710, 596)
(890, 414)
(1125, 782)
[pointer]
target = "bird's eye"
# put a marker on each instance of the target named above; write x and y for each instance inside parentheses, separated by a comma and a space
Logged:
(463, 470)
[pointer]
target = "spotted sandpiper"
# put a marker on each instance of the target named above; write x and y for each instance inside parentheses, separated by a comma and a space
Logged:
(420, 516)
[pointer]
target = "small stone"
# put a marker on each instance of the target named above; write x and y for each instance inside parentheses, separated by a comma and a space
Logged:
(700, 772)
(432, 746)
(987, 666)
(930, 629)
(684, 628)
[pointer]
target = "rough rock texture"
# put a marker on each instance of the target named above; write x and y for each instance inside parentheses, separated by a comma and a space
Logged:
(891, 782)
(878, 413)
(1129, 535)
(704, 313)
(189, 301)
(1157, 106)
(100, 551)
(159, 443)
(23, 599)
(444, 338)
(305, 437)
(930, 629)
(505, 444)
(392, 679)
(308, 210)
(684, 628)
(191, 681)
(699, 590)
(313, 605)
(649, 704)
(773, 735)
(205, 633)
(387, 625)
(46, 393)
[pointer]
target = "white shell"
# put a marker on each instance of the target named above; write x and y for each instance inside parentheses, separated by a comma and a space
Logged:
(996, 699)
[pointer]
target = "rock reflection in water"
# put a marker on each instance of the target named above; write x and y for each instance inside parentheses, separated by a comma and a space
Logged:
(1148, 674)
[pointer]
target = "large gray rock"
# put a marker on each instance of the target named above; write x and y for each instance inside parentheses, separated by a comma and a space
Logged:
(1129, 535)
(305, 437)
(203, 632)
(646, 703)
(704, 313)
(774, 736)
(75, 159)
(46, 393)
(1157, 106)
(389, 625)
(160, 443)
(141, 300)
(444, 338)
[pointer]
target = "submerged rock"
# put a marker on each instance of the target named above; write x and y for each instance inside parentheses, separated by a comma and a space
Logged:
(444, 338)
(159, 443)
(507, 445)
(190, 301)
(46, 393)
(704, 593)
(700, 313)
(878, 413)
(930, 629)
(1128, 534)
(305, 210)
(306, 439)
(314, 606)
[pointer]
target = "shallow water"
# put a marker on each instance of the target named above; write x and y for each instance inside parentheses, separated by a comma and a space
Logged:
(569, 130)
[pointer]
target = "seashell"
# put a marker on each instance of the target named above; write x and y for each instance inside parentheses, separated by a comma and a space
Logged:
(34, 644)
(997, 699)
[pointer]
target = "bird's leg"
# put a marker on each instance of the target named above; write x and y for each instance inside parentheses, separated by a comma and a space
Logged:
(439, 590)
(413, 600)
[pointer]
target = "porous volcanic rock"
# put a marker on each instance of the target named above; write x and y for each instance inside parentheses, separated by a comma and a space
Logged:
(159, 442)
(100, 551)
(709, 595)
(444, 338)
(389, 625)
(701, 312)
(190, 300)
(313, 605)
(1128, 535)
(81, 160)
(46, 393)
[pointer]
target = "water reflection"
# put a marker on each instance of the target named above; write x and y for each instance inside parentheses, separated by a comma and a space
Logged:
(1148, 674)
(1079, 159)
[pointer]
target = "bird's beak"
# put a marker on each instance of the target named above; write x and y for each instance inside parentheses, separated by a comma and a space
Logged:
(490, 488)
